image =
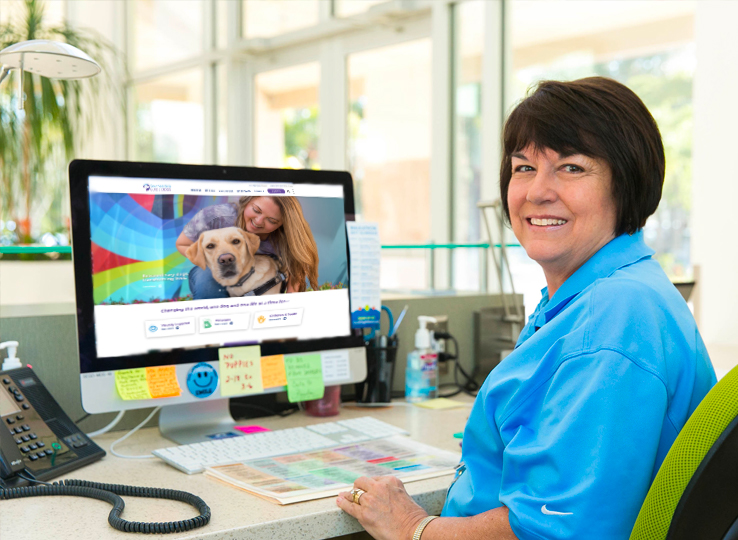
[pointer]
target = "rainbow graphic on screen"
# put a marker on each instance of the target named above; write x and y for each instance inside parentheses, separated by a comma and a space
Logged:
(134, 258)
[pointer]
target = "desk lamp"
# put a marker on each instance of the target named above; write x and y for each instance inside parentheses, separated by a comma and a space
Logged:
(52, 59)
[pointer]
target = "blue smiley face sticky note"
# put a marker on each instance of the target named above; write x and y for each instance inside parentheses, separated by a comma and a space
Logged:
(202, 380)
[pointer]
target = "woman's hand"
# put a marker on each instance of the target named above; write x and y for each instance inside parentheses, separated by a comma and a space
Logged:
(386, 511)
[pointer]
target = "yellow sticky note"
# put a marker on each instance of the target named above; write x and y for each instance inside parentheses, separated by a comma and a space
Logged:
(272, 371)
(240, 371)
(162, 381)
(440, 403)
(131, 384)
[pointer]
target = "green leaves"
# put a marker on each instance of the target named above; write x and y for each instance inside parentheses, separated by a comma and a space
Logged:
(37, 142)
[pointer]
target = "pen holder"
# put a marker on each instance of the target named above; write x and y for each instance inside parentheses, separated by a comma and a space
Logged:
(377, 388)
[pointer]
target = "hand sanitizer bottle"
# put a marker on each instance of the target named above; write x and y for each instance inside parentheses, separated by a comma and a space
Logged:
(421, 374)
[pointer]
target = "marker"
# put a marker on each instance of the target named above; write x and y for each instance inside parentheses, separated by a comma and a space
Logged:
(399, 320)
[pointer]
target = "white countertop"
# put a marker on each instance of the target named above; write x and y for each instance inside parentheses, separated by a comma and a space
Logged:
(235, 513)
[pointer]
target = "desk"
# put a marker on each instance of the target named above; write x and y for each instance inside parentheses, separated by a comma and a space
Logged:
(236, 514)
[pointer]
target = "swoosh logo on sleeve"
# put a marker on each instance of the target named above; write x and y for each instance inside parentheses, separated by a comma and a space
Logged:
(552, 513)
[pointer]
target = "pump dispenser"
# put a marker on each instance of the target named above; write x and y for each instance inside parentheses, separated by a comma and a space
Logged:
(421, 374)
(11, 362)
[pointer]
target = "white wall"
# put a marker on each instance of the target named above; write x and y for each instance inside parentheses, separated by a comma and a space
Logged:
(715, 178)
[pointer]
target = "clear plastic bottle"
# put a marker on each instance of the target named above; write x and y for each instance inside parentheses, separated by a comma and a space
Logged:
(421, 374)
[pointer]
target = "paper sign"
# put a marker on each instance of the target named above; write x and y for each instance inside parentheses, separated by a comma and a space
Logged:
(336, 366)
(364, 256)
(251, 429)
(272, 371)
(240, 371)
(304, 377)
(131, 384)
(162, 381)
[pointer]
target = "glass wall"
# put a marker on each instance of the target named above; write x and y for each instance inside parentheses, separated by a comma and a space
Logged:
(346, 8)
(647, 46)
(467, 141)
(165, 31)
(287, 127)
(389, 136)
(169, 119)
(263, 19)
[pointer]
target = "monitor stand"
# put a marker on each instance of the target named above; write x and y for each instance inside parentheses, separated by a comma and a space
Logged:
(205, 420)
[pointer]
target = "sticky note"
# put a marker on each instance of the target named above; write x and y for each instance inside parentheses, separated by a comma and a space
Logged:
(240, 371)
(131, 384)
(162, 381)
(440, 403)
(251, 429)
(272, 371)
(304, 377)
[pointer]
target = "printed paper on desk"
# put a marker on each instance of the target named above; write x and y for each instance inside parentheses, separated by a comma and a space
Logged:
(240, 370)
(364, 252)
(131, 384)
(336, 366)
(162, 381)
(272, 371)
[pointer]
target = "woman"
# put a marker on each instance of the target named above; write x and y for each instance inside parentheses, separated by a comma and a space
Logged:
(569, 430)
(277, 221)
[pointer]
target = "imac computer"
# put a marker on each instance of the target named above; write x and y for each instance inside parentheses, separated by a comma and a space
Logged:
(167, 311)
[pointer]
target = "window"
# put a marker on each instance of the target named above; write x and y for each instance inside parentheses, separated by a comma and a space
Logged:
(346, 8)
(467, 142)
(287, 128)
(389, 152)
(263, 19)
(647, 46)
(165, 31)
(169, 120)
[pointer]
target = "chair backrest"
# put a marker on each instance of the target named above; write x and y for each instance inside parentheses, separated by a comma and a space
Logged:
(709, 420)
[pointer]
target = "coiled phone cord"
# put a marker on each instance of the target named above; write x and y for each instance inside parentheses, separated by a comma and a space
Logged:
(111, 493)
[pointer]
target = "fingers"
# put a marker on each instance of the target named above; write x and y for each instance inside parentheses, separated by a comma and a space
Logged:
(364, 483)
(354, 510)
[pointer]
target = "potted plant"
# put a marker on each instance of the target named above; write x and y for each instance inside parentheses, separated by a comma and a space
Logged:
(38, 141)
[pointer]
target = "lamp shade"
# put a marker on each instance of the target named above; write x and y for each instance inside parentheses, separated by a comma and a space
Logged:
(51, 59)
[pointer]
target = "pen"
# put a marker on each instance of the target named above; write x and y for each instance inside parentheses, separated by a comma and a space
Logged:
(399, 320)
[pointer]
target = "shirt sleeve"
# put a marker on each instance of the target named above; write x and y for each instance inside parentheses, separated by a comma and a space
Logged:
(582, 450)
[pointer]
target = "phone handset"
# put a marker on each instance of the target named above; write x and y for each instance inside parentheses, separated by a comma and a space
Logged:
(11, 460)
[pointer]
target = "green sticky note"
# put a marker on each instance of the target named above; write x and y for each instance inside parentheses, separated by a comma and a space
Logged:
(132, 384)
(304, 377)
(240, 371)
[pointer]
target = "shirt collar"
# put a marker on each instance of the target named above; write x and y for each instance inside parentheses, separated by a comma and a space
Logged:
(618, 253)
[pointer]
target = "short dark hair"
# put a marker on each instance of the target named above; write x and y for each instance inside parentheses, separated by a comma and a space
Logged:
(600, 118)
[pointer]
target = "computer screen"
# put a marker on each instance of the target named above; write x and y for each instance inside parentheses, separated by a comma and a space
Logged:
(174, 263)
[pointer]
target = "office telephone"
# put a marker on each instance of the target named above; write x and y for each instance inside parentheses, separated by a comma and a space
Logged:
(38, 442)
(37, 439)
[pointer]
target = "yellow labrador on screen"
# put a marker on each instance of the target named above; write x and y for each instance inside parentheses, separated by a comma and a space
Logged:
(230, 253)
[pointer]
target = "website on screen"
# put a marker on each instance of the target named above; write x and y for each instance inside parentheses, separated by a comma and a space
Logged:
(188, 263)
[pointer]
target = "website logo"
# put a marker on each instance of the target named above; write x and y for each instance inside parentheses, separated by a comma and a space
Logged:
(158, 188)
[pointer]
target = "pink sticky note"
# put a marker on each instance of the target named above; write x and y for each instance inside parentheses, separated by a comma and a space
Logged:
(251, 429)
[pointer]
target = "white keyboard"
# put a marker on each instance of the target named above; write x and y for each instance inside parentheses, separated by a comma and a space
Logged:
(193, 458)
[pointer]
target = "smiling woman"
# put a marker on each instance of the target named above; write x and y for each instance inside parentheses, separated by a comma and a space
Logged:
(610, 365)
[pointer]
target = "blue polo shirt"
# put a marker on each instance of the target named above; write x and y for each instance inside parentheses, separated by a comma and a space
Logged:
(570, 429)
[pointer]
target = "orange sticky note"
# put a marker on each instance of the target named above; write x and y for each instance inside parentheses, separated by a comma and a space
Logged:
(240, 371)
(162, 381)
(272, 371)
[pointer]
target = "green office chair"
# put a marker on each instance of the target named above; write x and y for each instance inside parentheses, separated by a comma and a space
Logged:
(695, 493)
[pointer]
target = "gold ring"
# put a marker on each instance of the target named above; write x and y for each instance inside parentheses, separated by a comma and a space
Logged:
(356, 494)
